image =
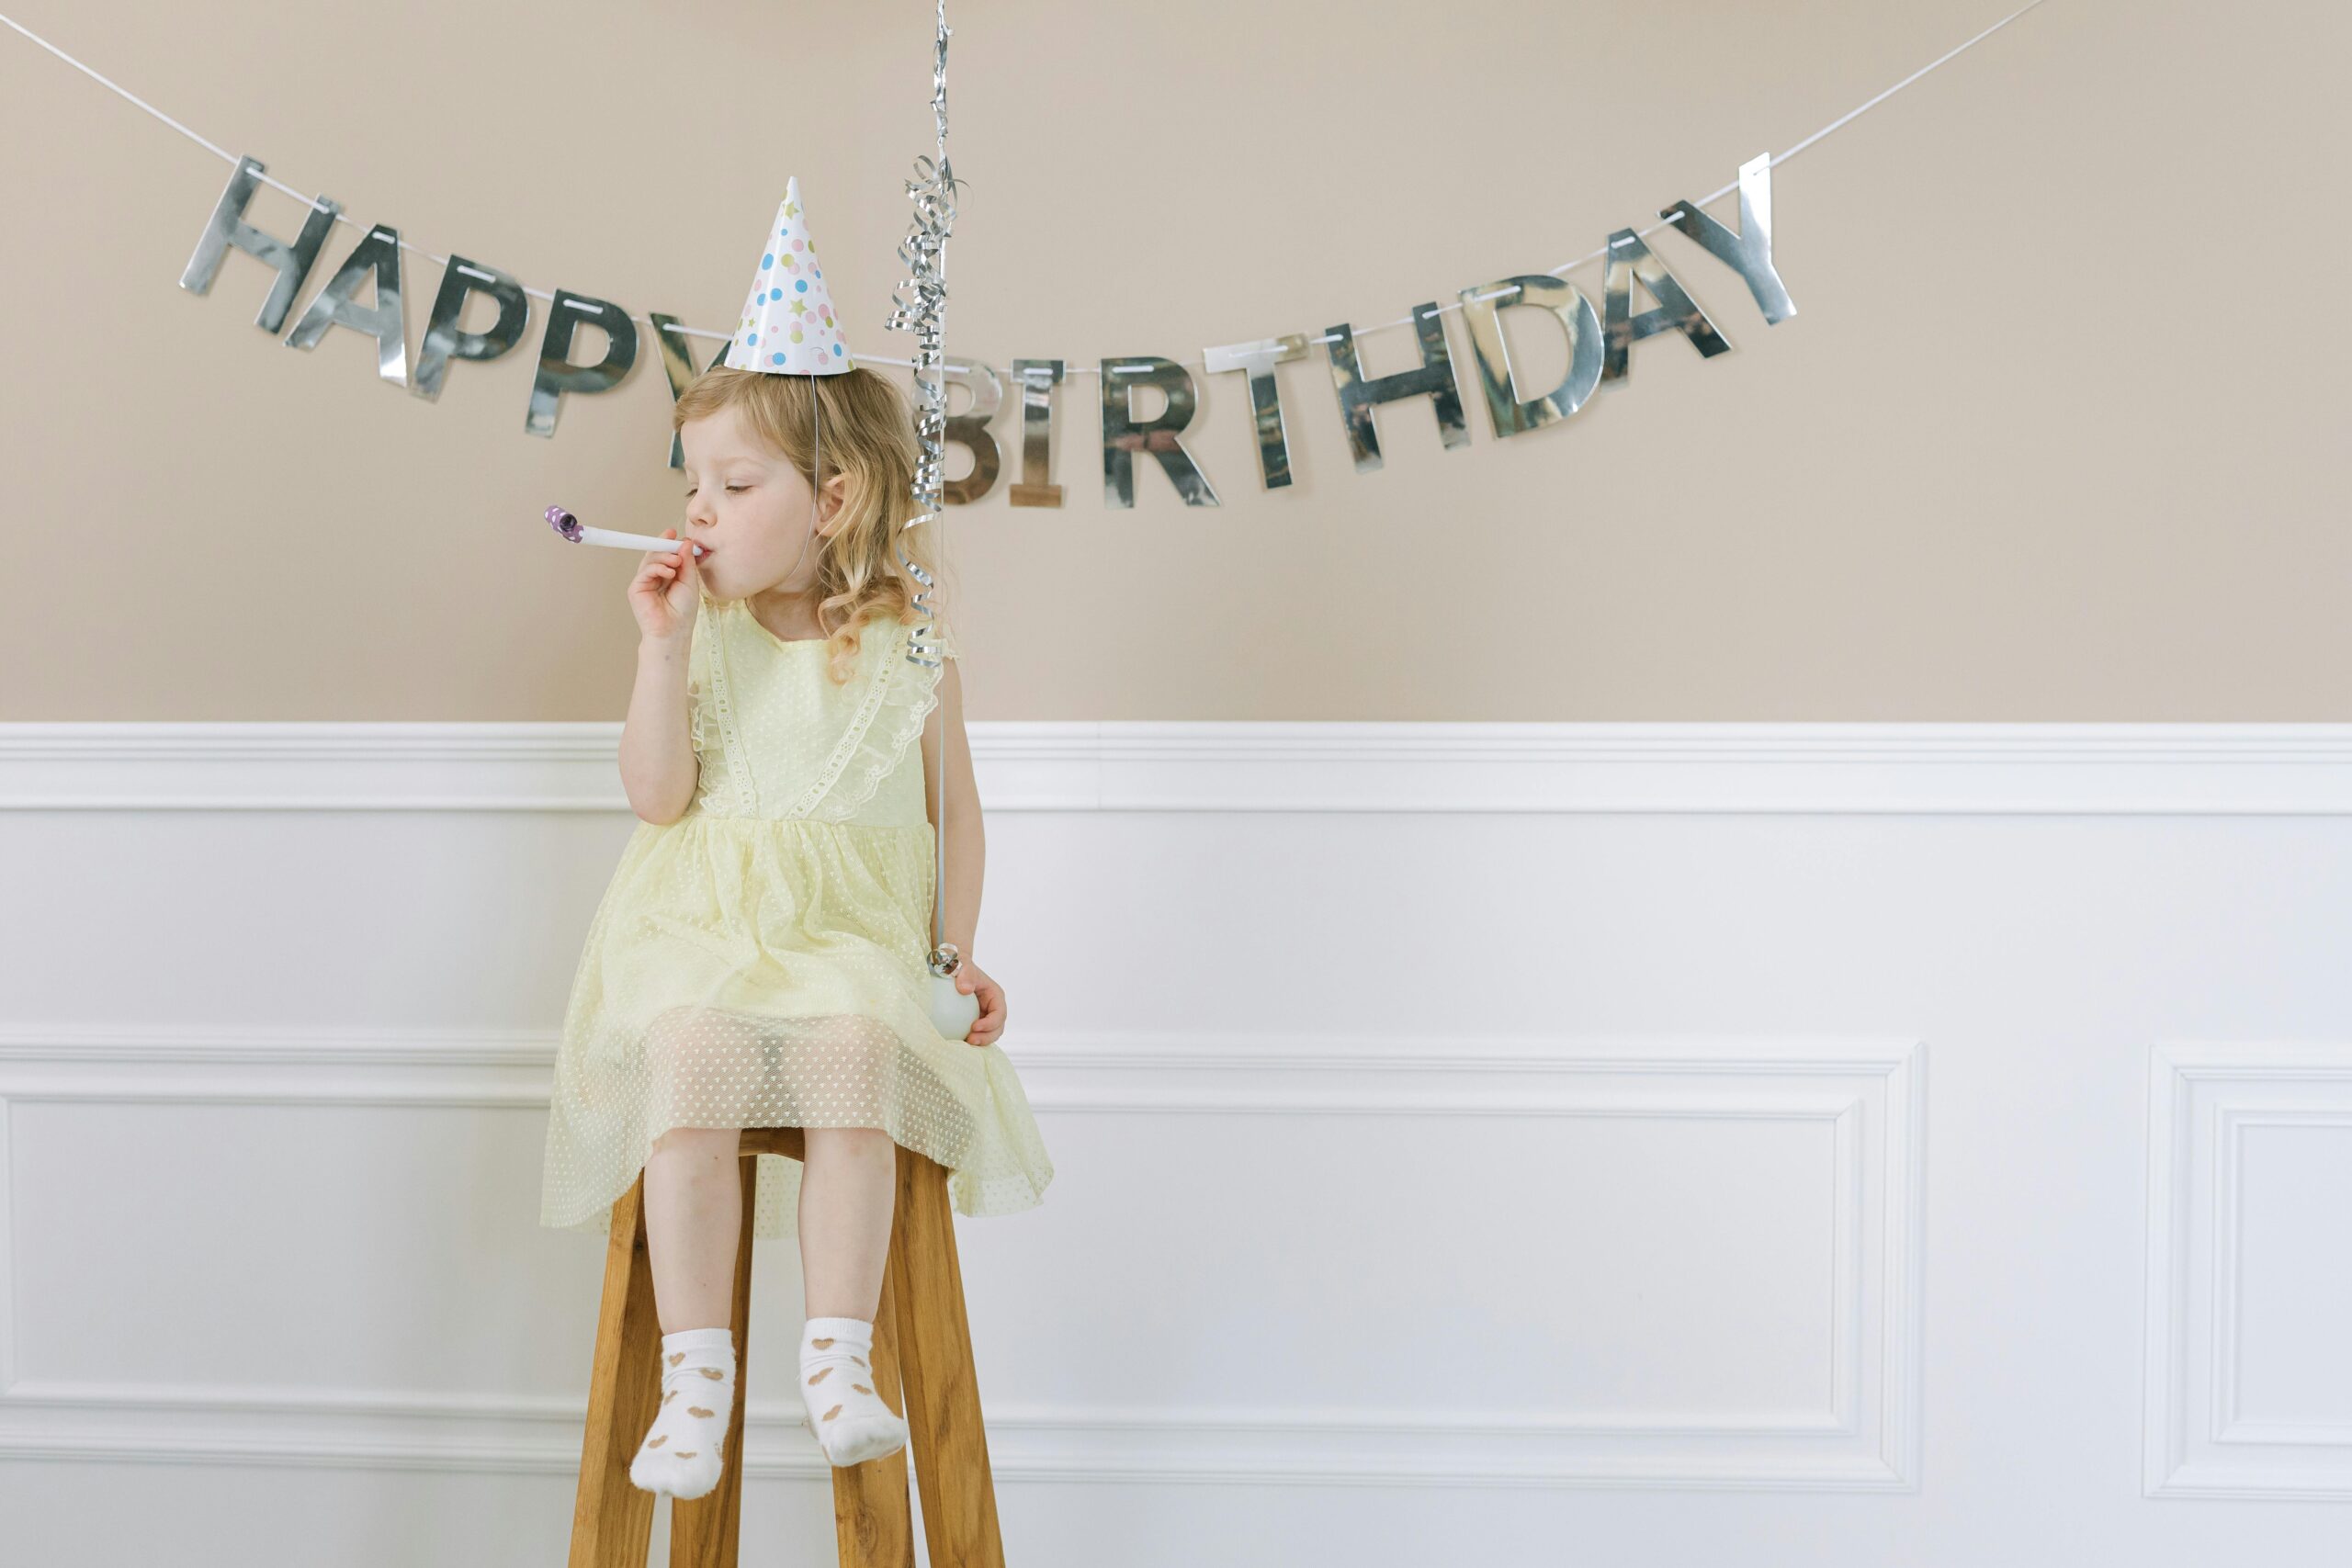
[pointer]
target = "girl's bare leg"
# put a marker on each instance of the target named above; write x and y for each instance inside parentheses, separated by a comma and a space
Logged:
(847, 1186)
(694, 1212)
(693, 1218)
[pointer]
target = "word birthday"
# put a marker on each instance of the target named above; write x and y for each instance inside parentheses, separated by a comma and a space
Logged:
(1598, 342)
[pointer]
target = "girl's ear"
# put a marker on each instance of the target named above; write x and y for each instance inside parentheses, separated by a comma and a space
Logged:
(836, 493)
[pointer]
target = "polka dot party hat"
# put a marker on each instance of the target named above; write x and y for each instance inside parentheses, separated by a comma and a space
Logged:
(789, 325)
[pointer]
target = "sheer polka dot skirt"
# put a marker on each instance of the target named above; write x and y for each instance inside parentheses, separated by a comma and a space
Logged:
(852, 1423)
(683, 1450)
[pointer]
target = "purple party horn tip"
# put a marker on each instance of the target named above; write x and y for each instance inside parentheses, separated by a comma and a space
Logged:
(564, 523)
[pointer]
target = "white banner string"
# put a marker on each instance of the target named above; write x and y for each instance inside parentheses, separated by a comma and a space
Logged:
(1072, 369)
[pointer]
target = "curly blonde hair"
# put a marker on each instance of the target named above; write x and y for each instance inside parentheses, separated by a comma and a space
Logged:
(867, 432)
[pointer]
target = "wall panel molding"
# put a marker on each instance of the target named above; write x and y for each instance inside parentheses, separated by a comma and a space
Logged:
(2206, 1097)
(1868, 1094)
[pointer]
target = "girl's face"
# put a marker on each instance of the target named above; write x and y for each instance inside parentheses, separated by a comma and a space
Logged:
(747, 507)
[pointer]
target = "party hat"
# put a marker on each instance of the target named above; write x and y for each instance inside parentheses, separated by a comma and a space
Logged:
(789, 325)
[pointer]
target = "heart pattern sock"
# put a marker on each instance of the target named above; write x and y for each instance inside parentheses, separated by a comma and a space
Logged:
(851, 1422)
(681, 1451)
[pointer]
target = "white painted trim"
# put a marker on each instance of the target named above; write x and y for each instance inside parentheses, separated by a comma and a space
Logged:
(1101, 765)
(165, 1425)
(1147, 1074)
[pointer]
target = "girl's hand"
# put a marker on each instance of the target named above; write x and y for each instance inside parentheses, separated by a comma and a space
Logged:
(664, 593)
(971, 977)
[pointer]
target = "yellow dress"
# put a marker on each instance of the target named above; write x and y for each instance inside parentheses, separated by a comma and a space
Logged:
(759, 962)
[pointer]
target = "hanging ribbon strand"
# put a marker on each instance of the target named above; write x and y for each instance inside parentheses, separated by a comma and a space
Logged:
(919, 305)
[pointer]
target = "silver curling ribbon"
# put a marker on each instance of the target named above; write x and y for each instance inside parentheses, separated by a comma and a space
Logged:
(919, 306)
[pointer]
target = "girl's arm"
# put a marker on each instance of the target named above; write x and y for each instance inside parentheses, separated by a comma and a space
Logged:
(658, 767)
(966, 845)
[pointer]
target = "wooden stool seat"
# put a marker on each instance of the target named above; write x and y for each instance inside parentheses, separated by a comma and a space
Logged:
(923, 1369)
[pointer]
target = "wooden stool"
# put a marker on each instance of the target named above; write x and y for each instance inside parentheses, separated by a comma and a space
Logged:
(920, 1340)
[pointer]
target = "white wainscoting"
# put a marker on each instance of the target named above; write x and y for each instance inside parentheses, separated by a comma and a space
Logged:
(1478, 1141)
(2249, 1287)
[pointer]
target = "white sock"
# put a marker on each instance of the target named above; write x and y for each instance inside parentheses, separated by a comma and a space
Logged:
(683, 1450)
(851, 1422)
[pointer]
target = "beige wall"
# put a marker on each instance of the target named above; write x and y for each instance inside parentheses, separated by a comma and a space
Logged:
(2048, 438)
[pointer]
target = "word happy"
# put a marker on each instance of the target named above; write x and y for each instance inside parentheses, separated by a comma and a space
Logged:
(1598, 342)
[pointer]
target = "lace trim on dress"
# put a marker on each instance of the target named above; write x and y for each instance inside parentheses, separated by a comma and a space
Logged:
(888, 721)
(702, 724)
(739, 767)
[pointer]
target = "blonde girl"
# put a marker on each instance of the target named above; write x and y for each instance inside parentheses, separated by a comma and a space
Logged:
(758, 956)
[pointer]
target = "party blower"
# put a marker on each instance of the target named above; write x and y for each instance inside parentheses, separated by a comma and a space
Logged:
(578, 532)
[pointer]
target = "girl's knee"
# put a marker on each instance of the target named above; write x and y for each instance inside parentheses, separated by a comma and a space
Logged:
(712, 1142)
(869, 1140)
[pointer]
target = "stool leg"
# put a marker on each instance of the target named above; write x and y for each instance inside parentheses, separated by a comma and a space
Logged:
(873, 1526)
(612, 1519)
(942, 1395)
(704, 1531)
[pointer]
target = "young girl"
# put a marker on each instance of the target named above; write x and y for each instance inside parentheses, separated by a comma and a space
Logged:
(759, 957)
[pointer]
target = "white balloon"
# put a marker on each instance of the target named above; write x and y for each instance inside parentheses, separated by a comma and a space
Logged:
(953, 1012)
